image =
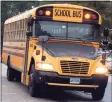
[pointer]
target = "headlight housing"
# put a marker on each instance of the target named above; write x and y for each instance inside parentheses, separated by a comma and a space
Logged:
(101, 70)
(45, 66)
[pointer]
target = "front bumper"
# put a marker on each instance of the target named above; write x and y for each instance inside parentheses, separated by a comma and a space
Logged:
(54, 79)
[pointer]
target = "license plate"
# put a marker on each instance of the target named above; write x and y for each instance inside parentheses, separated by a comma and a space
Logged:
(75, 80)
(67, 14)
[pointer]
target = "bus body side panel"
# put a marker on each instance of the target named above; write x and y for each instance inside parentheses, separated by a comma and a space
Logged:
(16, 52)
(4, 57)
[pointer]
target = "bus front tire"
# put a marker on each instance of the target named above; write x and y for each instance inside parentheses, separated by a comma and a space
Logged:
(98, 93)
(33, 87)
(10, 72)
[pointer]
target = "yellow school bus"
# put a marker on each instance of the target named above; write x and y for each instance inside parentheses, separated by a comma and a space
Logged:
(56, 45)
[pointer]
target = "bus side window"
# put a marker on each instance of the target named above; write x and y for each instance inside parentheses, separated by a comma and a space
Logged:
(25, 28)
(22, 37)
(19, 33)
(8, 32)
(13, 30)
(16, 30)
(10, 26)
(21, 29)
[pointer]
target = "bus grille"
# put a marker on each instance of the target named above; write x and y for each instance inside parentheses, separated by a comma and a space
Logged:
(74, 67)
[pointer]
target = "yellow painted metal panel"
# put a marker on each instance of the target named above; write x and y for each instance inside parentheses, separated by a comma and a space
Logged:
(67, 14)
(22, 77)
(4, 57)
(17, 61)
(27, 80)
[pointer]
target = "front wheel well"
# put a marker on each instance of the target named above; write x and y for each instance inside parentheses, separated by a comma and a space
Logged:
(8, 58)
(32, 62)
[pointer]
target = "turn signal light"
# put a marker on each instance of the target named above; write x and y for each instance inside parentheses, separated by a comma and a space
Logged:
(37, 52)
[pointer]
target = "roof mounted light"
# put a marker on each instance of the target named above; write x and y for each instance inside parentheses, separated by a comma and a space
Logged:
(87, 16)
(41, 12)
(44, 13)
(90, 16)
(47, 12)
(94, 16)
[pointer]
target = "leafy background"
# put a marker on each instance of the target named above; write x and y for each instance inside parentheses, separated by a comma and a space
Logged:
(11, 8)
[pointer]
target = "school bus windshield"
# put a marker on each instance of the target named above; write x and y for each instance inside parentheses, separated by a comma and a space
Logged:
(67, 30)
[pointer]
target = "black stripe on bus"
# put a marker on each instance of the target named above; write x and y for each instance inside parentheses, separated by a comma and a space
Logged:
(14, 53)
(13, 47)
(14, 40)
(18, 69)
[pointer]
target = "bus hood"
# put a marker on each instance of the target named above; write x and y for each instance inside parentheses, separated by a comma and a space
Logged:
(61, 49)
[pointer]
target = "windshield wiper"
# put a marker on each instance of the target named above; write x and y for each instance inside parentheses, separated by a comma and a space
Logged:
(49, 51)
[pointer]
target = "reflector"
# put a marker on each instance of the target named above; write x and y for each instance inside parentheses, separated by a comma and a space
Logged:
(37, 52)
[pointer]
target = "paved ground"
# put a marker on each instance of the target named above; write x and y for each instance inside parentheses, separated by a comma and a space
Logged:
(16, 92)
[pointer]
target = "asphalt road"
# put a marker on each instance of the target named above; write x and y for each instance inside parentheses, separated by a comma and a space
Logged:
(17, 92)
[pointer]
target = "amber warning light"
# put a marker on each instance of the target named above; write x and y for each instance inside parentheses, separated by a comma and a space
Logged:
(90, 16)
(87, 16)
(48, 13)
(43, 12)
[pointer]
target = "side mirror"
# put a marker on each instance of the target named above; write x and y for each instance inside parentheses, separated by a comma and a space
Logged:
(106, 32)
(43, 39)
(28, 33)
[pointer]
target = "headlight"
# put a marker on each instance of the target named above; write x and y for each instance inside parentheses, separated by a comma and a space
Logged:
(45, 66)
(101, 70)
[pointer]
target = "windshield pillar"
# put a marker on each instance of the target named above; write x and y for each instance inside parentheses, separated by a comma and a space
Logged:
(34, 29)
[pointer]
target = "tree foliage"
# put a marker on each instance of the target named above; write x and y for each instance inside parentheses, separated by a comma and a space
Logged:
(11, 8)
